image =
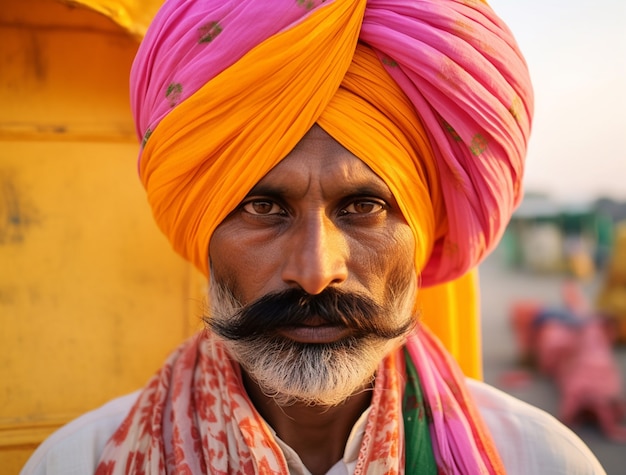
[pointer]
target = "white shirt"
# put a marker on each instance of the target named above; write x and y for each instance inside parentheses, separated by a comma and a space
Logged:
(529, 440)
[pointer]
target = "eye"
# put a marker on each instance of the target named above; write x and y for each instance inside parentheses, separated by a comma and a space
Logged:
(262, 208)
(363, 207)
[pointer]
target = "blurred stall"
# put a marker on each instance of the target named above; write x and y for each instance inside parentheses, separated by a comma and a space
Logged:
(611, 299)
(547, 236)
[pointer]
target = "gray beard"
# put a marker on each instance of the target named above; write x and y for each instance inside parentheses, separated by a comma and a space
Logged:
(321, 374)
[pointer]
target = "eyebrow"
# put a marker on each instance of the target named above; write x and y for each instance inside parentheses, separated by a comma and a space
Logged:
(265, 189)
(368, 189)
(376, 188)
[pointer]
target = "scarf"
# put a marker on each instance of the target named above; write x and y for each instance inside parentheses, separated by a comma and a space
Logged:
(194, 417)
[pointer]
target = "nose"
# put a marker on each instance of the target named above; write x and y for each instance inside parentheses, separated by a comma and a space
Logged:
(316, 255)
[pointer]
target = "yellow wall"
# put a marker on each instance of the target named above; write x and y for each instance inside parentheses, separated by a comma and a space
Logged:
(92, 298)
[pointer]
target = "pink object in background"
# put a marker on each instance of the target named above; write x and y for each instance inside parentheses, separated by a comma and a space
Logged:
(573, 346)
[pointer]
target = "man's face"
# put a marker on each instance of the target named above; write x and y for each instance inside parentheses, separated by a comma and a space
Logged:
(312, 276)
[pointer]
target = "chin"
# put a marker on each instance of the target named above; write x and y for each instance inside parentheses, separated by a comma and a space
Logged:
(311, 374)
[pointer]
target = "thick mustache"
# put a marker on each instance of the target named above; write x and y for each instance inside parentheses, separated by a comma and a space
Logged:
(294, 307)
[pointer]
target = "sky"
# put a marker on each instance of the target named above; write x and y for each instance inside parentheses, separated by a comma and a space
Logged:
(576, 53)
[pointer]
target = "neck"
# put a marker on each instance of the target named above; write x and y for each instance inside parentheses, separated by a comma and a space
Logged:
(318, 434)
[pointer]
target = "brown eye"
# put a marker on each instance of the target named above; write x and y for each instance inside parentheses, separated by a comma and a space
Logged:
(262, 207)
(363, 207)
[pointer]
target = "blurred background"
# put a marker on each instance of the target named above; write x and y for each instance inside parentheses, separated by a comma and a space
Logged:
(512, 363)
(89, 286)
(570, 228)
(576, 52)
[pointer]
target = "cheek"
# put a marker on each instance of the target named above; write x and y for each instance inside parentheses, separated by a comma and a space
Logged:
(243, 266)
(385, 261)
(401, 271)
(226, 259)
(401, 254)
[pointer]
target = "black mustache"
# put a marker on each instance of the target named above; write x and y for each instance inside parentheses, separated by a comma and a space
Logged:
(293, 307)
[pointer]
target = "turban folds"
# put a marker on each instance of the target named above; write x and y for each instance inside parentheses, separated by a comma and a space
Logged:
(433, 95)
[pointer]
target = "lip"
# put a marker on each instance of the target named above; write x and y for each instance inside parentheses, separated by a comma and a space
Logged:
(315, 330)
(315, 333)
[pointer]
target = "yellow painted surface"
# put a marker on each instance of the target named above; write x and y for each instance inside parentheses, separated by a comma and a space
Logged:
(92, 298)
(133, 15)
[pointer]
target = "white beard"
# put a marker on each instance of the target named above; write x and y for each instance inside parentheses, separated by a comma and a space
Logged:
(324, 375)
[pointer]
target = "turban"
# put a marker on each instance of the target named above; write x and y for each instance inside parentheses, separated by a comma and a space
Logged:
(433, 95)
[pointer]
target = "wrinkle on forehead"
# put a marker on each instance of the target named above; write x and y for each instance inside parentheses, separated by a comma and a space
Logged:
(319, 158)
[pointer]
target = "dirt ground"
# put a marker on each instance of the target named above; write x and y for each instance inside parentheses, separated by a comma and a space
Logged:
(500, 286)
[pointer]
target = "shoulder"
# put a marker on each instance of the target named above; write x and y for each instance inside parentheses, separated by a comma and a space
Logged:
(529, 439)
(76, 447)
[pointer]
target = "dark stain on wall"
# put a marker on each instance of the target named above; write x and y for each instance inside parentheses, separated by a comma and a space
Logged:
(17, 214)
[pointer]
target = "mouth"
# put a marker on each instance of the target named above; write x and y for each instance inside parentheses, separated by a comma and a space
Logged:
(315, 331)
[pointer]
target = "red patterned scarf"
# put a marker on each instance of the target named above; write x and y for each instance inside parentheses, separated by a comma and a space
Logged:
(194, 417)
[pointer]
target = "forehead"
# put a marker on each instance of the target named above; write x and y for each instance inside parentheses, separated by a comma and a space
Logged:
(319, 158)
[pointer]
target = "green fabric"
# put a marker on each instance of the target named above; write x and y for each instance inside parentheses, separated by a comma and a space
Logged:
(419, 457)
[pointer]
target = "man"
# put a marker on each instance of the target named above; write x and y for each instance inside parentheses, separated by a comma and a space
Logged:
(320, 162)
